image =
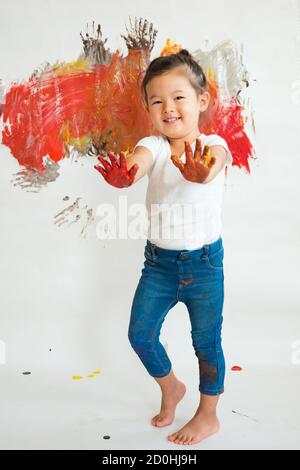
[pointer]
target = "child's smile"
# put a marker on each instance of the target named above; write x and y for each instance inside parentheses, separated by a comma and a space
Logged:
(172, 121)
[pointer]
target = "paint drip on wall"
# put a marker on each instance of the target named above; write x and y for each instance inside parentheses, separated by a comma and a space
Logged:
(75, 213)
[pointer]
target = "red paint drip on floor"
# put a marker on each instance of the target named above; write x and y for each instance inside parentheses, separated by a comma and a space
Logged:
(236, 368)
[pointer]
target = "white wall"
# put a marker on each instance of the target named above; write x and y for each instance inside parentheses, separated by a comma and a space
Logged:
(73, 295)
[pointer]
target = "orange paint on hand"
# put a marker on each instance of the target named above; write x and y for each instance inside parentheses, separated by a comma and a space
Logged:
(197, 167)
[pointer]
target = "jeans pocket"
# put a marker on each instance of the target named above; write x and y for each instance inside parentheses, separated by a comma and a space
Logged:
(215, 260)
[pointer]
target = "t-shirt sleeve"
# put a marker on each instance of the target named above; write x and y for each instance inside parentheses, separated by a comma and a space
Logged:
(152, 143)
(215, 139)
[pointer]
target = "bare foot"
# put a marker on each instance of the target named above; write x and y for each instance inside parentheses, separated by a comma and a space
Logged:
(168, 405)
(196, 430)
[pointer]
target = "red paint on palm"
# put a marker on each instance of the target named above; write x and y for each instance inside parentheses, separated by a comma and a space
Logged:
(116, 173)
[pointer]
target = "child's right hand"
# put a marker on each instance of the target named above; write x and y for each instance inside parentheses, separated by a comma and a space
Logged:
(115, 174)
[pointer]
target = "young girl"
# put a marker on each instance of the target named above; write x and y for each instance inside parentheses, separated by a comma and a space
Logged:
(187, 268)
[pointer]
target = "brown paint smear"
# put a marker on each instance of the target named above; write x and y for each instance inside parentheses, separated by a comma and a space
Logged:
(207, 371)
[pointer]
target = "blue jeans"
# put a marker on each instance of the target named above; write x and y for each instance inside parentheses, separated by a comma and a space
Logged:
(194, 277)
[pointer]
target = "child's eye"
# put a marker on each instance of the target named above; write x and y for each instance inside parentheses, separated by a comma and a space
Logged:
(160, 101)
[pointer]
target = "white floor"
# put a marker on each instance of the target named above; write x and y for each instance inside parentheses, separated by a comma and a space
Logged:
(49, 410)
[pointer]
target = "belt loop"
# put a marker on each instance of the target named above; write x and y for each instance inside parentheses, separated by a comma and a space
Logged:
(153, 251)
(205, 251)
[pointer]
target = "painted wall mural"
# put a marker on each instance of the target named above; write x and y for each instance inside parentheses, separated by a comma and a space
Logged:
(93, 105)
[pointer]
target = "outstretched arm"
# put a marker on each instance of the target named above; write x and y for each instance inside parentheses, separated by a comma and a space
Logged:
(143, 158)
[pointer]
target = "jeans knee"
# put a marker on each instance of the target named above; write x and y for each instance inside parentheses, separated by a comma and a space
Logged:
(136, 338)
(209, 339)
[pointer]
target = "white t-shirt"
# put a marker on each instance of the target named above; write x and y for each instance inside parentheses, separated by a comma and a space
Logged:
(182, 215)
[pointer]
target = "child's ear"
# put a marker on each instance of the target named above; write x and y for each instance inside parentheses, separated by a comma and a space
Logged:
(204, 100)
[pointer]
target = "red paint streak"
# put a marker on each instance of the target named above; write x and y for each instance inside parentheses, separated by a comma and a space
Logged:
(64, 107)
(44, 115)
(225, 119)
(236, 368)
(37, 111)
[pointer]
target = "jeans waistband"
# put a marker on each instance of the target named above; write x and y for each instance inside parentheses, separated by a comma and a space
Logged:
(203, 252)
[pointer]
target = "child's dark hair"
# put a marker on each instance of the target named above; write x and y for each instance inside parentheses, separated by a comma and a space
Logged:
(182, 59)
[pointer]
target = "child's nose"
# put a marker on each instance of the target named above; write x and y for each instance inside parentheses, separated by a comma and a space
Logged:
(169, 107)
(168, 112)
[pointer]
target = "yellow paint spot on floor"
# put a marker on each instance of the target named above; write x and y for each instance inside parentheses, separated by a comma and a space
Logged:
(79, 377)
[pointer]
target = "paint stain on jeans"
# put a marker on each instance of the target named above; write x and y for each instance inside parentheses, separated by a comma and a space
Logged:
(186, 282)
(208, 372)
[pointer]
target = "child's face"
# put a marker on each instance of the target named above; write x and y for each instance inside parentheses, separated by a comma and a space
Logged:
(164, 102)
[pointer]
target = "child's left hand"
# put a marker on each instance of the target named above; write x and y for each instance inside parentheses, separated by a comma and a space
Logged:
(195, 169)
